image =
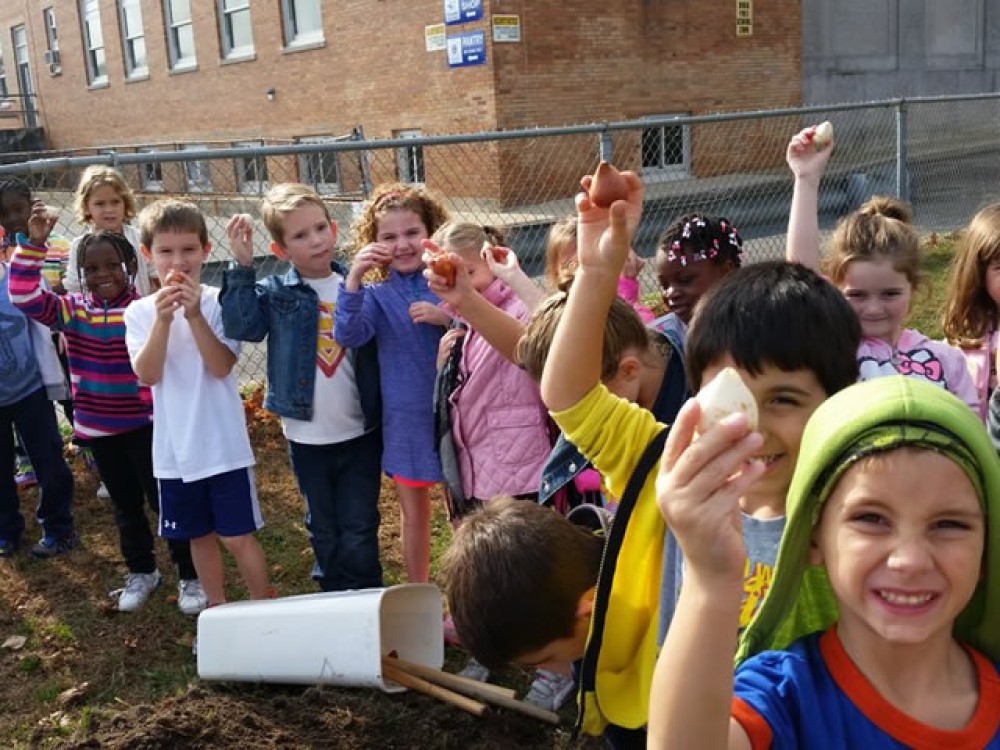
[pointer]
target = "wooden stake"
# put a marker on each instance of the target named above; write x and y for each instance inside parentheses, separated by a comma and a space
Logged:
(455, 682)
(494, 697)
(435, 691)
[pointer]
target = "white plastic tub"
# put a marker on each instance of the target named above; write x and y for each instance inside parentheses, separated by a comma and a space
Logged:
(335, 639)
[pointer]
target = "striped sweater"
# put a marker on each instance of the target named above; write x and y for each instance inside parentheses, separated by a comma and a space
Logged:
(107, 396)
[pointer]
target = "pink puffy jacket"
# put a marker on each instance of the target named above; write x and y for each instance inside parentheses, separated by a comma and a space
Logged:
(500, 426)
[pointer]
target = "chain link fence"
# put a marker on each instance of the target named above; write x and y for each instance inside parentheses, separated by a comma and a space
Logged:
(942, 154)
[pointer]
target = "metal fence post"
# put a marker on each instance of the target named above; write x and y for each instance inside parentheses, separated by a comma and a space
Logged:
(605, 146)
(902, 183)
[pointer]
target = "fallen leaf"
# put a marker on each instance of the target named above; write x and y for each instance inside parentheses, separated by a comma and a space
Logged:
(14, 642)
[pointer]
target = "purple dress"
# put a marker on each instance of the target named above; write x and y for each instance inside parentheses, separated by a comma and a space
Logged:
(407, 354)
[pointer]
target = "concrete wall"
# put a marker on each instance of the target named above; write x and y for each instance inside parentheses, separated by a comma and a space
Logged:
(861, 50)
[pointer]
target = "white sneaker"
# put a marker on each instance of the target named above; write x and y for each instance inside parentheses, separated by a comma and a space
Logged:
(550, 690)
(138, 587)
(102, 492)
(475, 671)
(191, 597)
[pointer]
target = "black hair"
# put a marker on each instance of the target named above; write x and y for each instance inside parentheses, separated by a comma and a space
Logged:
(780, 314)
(15, 186)
(124, 249)
(705, 237)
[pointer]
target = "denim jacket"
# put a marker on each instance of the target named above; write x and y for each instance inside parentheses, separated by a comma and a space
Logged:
(565, 461)
(286, 310)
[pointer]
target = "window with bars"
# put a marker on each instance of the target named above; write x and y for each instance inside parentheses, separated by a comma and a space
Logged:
(93, 42)
(410, 159)
(235, 28)
(321, 169)
(51, 41)
(303, 20)
(133, 38)
(151, 174)
(251, 171)
(197, 172)
(666, 149)
(180, 34)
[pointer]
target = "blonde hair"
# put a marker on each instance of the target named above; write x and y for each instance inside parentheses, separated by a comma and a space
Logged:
(93, 177)
(970, 312)
(465, 238)
(395, 196)
(171, 215)
(879, 230)
(281, 200)
(561, 236)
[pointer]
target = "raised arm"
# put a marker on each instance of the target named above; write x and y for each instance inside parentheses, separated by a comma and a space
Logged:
(26, 291)
(604, 236)
(698, 491)
(808, 165)
(244, 304)
(500, 330)
(505, 266)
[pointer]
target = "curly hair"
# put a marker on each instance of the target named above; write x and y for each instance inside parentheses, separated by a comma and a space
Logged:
(970, 312)
(702, 237)
(93, 177)
(395, 196)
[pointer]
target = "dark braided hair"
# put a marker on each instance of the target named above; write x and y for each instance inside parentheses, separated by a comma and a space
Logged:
(18, 188)
(701, 237)
(124, 249)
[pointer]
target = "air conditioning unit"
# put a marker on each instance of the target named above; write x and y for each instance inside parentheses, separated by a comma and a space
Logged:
(51, 57)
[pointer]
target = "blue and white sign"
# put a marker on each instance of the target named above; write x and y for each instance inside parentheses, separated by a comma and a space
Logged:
(465, 49)
(462, 11)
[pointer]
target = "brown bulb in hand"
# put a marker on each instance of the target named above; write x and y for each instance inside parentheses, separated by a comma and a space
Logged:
(444, 267)
(607, 186)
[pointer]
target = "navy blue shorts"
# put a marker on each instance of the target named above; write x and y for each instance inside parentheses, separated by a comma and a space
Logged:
(225, 504)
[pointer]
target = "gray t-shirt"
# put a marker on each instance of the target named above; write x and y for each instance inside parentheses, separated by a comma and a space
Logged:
(761, 537)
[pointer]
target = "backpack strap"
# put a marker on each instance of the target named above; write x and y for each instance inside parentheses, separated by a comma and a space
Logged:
(609, 560)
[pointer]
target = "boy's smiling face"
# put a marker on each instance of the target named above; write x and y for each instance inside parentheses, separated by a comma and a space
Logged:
(902, 537)
(785, 401)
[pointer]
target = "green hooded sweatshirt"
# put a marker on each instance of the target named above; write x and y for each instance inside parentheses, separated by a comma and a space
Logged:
(876, 416)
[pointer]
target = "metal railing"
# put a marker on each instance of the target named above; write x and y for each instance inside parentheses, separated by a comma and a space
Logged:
(940, 153)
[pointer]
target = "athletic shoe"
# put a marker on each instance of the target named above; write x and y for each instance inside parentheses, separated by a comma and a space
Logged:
(102, 492)
(8, 547)
(191, 597)
(550, 690)
(138, 587)
(475, 671)
(50, 546)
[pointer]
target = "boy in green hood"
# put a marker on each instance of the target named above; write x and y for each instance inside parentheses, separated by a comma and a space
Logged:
(889, 504)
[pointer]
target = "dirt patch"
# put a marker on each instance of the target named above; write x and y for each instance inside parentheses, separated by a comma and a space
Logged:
(83, 675)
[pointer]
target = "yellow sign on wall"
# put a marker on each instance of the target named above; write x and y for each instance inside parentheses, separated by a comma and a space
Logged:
(744, 17)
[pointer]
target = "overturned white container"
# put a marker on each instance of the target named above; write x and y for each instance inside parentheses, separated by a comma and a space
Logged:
(330, 638)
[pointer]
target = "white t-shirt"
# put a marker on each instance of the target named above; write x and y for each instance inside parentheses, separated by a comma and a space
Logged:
(337, 414)
(199, 428)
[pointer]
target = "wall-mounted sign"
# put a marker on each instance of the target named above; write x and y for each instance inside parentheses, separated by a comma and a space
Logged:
(468, 48)
(434, 37)
(506, 28)
(462, 11)
(744, 17)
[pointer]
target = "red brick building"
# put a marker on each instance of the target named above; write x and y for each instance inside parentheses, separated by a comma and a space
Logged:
(139, 72)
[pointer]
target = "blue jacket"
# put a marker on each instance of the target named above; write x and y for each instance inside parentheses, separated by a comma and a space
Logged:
(565, 461)
(286, 310)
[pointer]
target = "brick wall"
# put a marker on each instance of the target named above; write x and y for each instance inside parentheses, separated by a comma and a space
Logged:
(577, 62)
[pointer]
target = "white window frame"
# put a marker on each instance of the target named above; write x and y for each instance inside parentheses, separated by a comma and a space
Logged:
(308, 166)
(197, 172)
(295, 35)
(51, 41)
(4, 90)
(93, 49)
(410, 166)
(230, 50)
(154, 183)
(662, 169)
(132, 39)
(259, 167)
(174, 29)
